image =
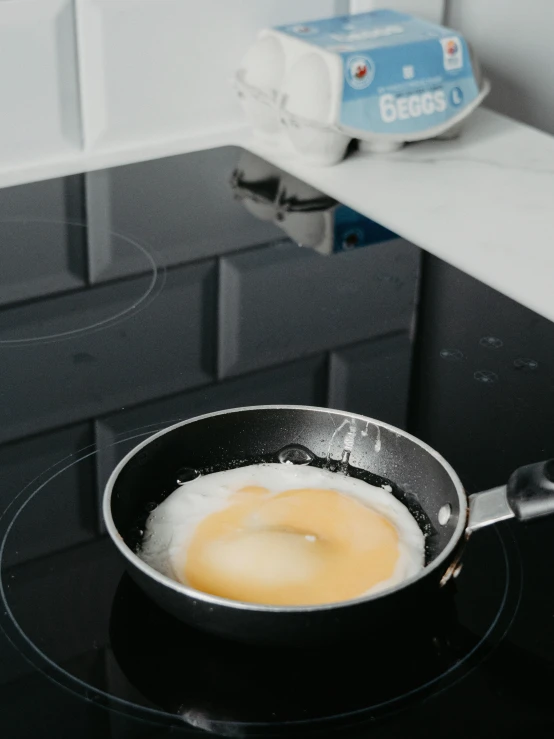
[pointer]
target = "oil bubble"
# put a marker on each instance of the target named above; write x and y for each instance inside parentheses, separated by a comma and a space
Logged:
(295, 454)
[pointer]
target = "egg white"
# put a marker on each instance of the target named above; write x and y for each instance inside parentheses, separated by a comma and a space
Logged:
(171, 526)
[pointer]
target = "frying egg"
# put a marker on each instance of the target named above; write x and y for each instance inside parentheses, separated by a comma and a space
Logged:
(280, 534)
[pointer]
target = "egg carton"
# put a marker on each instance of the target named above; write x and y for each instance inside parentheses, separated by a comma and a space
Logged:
(382, 77)
(307, 216)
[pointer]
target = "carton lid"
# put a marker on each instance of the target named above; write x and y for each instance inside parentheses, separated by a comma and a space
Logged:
(365, 31)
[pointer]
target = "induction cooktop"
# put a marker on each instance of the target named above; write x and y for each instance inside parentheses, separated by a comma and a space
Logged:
(135, 297)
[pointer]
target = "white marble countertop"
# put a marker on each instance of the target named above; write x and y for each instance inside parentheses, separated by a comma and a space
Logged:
(483, 202)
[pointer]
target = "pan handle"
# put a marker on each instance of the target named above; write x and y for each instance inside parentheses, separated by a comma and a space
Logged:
(529, 494)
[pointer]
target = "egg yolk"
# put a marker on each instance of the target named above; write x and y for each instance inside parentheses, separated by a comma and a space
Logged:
(299, 547)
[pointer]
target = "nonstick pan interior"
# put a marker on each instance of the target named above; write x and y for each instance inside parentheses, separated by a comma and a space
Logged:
(380, 455)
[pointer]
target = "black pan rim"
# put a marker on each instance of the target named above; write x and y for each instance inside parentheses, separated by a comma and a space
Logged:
(137, 563)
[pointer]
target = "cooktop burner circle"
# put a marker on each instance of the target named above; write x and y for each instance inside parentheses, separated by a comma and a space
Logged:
(76, 319)
(129, 656)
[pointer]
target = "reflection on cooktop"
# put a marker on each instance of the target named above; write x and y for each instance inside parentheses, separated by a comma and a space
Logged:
(81, 310)
(134, 333)
(135, 297)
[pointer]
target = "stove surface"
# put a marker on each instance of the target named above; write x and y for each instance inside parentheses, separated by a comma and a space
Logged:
(135, 297)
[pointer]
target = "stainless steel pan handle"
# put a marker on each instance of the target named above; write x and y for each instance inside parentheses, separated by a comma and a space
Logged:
(528, 495)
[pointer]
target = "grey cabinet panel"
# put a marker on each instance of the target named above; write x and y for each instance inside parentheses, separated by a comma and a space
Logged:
(373, 378)
(40, 253)
(179, 206)
(283, 302)
(303, 383)
(62, 511)
(167, 348)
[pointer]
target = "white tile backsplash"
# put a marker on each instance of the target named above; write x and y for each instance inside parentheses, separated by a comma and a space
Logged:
(38, 85)
(93, 79)
(162, 68)
(93, 83)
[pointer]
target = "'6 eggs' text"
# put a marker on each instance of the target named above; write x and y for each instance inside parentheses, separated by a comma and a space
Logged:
(394, 108)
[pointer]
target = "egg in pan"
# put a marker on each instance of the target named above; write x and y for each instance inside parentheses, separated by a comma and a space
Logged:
(283, 535)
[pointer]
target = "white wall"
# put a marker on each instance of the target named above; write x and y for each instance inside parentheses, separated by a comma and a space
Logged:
(515, 42)
(431, 10)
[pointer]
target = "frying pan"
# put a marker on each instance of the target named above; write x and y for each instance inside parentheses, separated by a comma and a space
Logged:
(367, 449)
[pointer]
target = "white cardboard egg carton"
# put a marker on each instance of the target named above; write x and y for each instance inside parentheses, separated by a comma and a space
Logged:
(293, 90)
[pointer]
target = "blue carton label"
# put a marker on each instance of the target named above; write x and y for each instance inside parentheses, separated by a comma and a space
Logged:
(352, 230)
(402, 75)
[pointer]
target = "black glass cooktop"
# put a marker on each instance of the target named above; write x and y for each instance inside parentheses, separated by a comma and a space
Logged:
(138, 296)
